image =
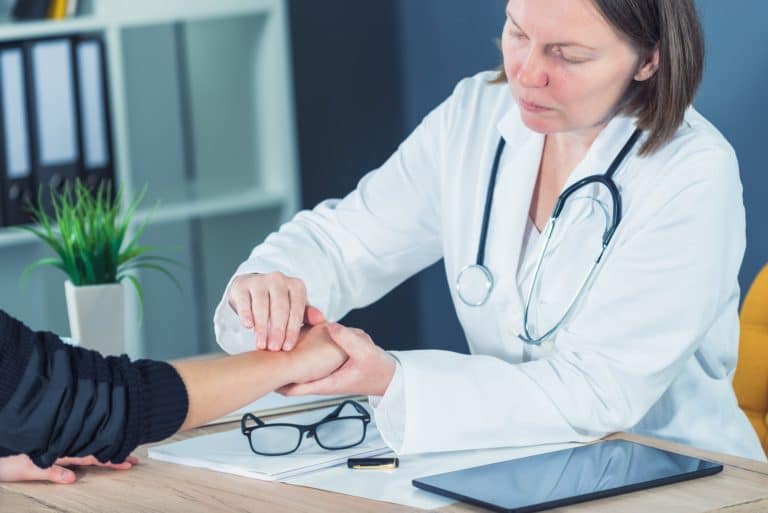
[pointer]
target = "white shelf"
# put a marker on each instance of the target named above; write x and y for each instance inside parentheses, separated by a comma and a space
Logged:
(119, 14)
(201, 105)
(16, 30)
(142, 12)
(244, 201)
(248, 200)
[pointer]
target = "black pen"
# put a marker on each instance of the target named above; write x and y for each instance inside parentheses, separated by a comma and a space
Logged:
(373, 463)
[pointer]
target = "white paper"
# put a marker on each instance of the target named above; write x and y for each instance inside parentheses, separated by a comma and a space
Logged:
(276, 404)
(315, 467)
(395, 485)
(274, 400)
(229, 452)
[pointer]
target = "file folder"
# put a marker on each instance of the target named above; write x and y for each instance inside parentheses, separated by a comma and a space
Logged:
(93, 104)
(15, 155)
(30, 9)
(54, 120)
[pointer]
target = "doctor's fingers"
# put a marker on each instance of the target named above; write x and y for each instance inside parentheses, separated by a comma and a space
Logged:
(297, 295)
(258, 300)
(240, 302)
(329, 385)
(279, 308)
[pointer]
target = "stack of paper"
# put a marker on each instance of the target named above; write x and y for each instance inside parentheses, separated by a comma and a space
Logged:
(229, 452)
(276, 404)
(395, 485)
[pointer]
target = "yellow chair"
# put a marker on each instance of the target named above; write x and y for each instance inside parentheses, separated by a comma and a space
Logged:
(751, 379)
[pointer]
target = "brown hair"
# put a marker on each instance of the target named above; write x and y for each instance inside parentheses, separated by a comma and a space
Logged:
(673, 26)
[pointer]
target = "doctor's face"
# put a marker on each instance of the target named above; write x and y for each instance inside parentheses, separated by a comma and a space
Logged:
(567, 67)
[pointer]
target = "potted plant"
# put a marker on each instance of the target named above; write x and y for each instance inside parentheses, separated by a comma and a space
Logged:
(94, 248)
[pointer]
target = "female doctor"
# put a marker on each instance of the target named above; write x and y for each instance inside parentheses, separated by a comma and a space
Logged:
(592, 228)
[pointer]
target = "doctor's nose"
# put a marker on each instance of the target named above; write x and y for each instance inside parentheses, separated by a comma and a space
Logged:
(532, 72)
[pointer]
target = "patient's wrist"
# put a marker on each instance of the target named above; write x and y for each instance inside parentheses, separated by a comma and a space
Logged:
(279, 365)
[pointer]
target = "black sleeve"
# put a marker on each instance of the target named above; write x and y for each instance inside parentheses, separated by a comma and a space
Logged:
(58, 400)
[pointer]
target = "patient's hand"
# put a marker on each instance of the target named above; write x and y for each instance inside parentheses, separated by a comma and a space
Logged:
(316, 355)
(368, 369)
(21, 468)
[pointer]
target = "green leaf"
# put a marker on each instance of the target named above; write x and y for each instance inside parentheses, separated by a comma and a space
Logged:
(87, 232)
(52, 262)
(145, 265)
(137, 286)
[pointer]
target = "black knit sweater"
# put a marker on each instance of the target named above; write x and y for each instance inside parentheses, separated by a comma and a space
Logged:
(58, 400)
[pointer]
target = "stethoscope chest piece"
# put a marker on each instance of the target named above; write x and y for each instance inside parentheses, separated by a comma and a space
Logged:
(474, 285)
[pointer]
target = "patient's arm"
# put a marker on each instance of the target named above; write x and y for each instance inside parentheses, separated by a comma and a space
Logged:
(214, 388)
(59, 401)
(217, 387)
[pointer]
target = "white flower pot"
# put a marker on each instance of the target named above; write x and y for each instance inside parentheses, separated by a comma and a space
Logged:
(97, 316)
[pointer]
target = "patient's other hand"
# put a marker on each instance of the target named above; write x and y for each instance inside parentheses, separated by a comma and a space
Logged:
(316, 355)
(21, 468)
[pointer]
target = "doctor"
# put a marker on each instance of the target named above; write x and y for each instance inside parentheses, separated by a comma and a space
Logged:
(592, 228)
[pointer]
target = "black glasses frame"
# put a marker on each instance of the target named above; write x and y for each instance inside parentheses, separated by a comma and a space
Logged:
(309, 429)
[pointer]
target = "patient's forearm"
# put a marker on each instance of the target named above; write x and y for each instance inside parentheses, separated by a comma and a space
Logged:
(217, 387)
(220, 386)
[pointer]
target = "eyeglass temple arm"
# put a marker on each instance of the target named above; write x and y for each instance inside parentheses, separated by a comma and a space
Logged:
(335, 413)
(245, 418)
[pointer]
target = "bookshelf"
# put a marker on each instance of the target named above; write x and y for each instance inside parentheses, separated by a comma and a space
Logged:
(201, 105)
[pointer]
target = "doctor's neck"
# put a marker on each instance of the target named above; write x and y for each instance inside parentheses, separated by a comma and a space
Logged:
(573, 141)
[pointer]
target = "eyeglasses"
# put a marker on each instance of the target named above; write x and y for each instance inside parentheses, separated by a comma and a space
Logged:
(334, 432)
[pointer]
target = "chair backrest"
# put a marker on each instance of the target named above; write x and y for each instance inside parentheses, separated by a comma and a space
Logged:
(751, 379)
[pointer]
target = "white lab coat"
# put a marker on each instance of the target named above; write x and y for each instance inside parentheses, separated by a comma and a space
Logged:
(652, 346)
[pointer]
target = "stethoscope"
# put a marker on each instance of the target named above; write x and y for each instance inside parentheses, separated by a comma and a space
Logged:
(475, 282)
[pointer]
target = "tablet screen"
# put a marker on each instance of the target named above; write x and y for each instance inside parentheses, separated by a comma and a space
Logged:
(565, 477)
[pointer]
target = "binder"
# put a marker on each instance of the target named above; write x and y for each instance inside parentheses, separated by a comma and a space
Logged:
(54, 120)
(93, 105)
(57, 9)
(30, 9)
(15, 148)
(71, 8)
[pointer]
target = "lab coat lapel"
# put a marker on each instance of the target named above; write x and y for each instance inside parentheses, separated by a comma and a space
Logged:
(597, 160)
(605, 148)
(515, 187)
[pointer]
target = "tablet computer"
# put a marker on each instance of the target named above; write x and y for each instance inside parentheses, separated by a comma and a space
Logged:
(556, 479)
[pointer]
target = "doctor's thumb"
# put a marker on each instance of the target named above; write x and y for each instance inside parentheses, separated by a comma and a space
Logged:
(345, 338)
(313, 316)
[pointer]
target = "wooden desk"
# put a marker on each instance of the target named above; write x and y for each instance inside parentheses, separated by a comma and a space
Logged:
(157, 487)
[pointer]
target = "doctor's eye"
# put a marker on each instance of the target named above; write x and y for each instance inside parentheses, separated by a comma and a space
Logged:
(567, 57)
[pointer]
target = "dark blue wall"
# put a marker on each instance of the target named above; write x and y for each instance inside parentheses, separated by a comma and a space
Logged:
(441, 42)
(733, 97)
(367, 72)
(350, 109)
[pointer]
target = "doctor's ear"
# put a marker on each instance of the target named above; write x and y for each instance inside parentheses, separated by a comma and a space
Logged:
(649, 66)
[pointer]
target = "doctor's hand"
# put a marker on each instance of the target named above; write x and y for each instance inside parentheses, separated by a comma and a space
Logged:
(367, 371)
(316, 355)
(274, 306)
(21, 468)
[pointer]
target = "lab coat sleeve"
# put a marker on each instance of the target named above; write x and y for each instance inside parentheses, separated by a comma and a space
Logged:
(350, 252)
(659, 291)
(388, 410)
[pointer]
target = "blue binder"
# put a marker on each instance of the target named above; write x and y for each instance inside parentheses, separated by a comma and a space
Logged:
(54, 122)
(93, 108)
(16, 179)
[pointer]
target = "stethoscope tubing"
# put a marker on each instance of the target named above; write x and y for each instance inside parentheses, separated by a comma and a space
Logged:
(479, 267)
